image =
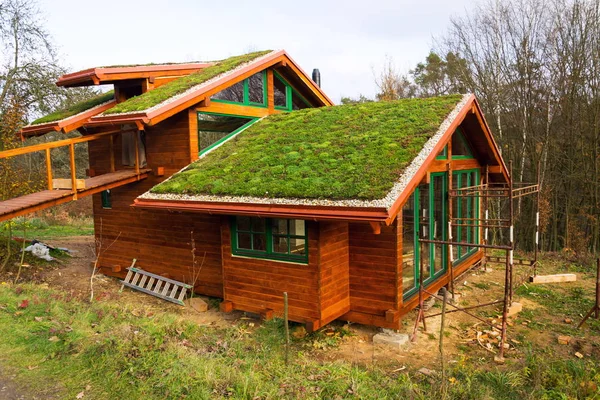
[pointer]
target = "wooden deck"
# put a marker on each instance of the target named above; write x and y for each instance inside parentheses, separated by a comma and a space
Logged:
(48, 198)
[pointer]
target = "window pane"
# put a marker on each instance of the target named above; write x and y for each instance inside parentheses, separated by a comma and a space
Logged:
(243, 223)
(438, 223)
(233, 93)
(212, 128)
(259, 242)
(459, 146)
(297, 227)
(280, 226)
(455, 229)
(244, 241)
(408, 244)
(474, 211)
(280, 244)
(279, 93)
(256, 88)
(258, 224)
(424, 228)
(297, 102)
(297, 246)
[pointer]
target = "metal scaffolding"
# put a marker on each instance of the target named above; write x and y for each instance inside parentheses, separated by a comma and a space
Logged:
(485, 191)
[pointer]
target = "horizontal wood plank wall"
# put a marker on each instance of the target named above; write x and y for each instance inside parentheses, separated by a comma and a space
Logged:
(373, 274)
(257, 285)
(334, 270)
(159, 240)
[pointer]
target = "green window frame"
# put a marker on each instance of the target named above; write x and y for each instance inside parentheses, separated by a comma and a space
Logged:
(431, 274)
(246, 101)
(289, 92)
(268, 234)
(460, 136)
(106, 200)
(466, 178)
(227, 137)
(443, 154)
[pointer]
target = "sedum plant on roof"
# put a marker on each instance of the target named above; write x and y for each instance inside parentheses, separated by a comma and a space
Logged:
(75, 108)
(343, 152)
(180, 85)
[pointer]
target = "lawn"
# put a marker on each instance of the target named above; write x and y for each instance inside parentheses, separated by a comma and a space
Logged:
(59, 345)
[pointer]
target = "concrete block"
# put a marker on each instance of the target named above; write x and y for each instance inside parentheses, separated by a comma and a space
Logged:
(397, 340)
(514, 309)
(197, 304)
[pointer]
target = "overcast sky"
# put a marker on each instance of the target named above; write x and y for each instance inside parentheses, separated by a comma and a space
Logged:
(346, 40)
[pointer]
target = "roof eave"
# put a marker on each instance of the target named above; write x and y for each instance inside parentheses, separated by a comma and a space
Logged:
(367, 214)
(66, 124)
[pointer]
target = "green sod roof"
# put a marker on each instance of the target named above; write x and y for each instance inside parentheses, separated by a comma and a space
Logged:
(180, 85)
(344, 152)
(76, 108)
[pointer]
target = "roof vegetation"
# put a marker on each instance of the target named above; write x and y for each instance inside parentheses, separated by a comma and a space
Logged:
(180, 85)
(343, 152)
(76, 108)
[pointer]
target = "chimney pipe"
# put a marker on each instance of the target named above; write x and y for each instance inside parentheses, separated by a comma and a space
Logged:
(316, 77)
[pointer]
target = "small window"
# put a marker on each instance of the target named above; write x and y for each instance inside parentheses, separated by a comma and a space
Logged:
(215, 128)
(442, 155)
(280, 93)
(272, 238)
(256, 89)
(460, 147)
(298, 103)
(106, 201)
(234, 93)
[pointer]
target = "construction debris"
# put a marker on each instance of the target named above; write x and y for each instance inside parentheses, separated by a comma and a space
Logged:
(558, 278)
(564, 339)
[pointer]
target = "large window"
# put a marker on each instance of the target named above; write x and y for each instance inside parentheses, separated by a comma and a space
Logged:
(278, 239)
(214, 129)
(251, 91)
(465, 210)
(424, 216)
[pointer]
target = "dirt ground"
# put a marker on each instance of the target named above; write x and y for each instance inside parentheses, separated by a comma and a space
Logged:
(462, 331)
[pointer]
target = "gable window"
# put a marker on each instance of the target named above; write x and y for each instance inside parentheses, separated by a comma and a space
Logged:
(271, 238)
(286, 98)
(251, 91)
(214, 129)
(442, 155)
(106, 200)
(460, 147)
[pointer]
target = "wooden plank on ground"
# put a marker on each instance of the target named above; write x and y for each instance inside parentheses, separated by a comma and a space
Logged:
(558, 278)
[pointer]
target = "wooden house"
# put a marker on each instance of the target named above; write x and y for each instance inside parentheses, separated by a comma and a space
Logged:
(243, 179)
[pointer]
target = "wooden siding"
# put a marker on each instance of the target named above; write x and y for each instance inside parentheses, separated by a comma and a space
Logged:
(373, 274)
(257, 285)
(159, 240)
(334, 270)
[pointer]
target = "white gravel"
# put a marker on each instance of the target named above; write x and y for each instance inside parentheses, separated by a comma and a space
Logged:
(385, 202)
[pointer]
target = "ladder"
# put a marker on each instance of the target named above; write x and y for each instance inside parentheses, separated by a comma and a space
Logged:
(155, 285)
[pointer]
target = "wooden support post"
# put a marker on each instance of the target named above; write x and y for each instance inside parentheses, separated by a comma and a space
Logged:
(270, 91)
(73, 171)
(137, 152)
(111, 147)
(510, 254)
(507, 273)
(442, 325)
(596, 308)
(420, 314)
(49, 169)
(450, 256)
(287, 327)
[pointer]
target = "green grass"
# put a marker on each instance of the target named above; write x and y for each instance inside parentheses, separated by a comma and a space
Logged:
(180, 85)
(76, 108)
(344, 152)
(56, 344)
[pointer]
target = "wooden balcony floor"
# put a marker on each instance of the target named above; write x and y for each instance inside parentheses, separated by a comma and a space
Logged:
(48, 198)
